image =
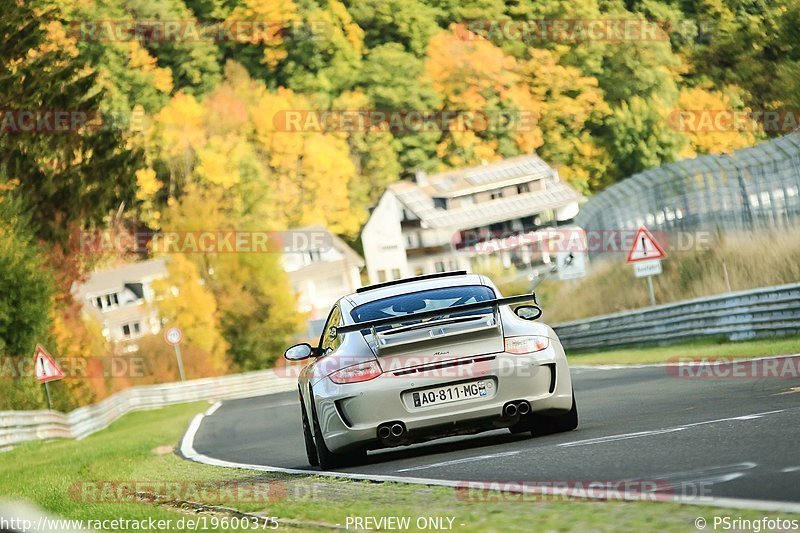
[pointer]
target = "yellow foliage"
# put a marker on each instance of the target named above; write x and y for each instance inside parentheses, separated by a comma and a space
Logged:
(310, 170)
(179, 126)
(184, 301)
(276, 15)
(147, 182)
(466, 67)
(141, 59)
(701, 108)
(219, 160)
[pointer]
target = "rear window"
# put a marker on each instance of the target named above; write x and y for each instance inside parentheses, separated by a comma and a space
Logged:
(417, 302)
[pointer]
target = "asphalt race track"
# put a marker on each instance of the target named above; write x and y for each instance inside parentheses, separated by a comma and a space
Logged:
(730, 437)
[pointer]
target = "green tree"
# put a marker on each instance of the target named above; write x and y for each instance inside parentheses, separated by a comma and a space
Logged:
(64, 177)
(27, 291)
(640, 138)
(407, 23)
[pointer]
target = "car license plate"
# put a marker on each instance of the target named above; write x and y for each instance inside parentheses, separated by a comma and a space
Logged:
(450, 393)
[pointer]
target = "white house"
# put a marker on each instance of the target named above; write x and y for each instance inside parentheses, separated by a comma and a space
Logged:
(121, 299)
(431, 224)
(321, 276)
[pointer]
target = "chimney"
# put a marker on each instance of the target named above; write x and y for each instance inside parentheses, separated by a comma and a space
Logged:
(421, 177)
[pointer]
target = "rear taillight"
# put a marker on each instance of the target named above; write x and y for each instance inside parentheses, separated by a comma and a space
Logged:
(354, 374)
(527, 344)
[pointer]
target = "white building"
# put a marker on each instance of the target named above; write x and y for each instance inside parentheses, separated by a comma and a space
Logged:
(122, 300)
(321, 276)
(430, 225)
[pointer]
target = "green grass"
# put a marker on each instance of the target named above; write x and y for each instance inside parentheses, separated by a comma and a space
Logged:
(709, 348)
(138, 448)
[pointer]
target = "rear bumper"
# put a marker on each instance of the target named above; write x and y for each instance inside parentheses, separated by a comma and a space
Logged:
(349, 415)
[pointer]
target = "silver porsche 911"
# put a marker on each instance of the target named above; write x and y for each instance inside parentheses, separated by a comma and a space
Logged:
(422, 358)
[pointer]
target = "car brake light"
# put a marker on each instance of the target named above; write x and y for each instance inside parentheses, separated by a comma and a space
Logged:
(528, 344)
(354, 374)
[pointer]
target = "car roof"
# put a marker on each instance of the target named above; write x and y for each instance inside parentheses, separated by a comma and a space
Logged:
(414, 285)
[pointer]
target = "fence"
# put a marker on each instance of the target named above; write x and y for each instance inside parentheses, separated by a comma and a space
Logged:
(752, 188)
(21, 426)
(758, 313)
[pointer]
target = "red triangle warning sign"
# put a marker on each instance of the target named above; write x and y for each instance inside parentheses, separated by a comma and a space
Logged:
(645, 247)
(45, 366)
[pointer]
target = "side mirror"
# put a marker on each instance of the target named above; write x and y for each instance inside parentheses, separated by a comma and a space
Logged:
(528, 312)
(298, 352)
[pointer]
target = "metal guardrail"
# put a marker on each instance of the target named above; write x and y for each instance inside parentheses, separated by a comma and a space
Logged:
(765, 312)
(21, 426)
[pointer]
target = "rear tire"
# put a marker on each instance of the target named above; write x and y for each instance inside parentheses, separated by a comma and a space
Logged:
(311, 449)
(547, 425)
(327, 459)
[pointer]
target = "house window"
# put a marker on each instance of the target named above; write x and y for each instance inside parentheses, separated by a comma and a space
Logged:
(440, 203)
(126, 330)
(381, 276)
(396, 273)
(107, 300)
(496, 194)
(523, 188)
(312, 256)
(419, 271)
(440, 266)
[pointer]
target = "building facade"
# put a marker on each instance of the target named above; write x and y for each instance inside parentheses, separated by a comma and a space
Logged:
(122, 301)
(319, 277)
(448, 221)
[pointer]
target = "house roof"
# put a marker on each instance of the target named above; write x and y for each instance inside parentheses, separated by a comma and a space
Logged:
(107, 280)
(419, 198)
(352, 258)
(458, 182)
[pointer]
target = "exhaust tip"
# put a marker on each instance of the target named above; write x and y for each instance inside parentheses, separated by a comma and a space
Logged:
(510, 409)
(397, 430)
(524, 408)
(384, 432)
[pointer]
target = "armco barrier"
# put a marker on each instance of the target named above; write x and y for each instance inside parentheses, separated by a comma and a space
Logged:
(765, 312)
(21, 426)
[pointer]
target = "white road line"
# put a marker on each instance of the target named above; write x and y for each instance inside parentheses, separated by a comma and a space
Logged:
(188, 451)
(637, 434)
(213, 409)
(789, 469)
(460, 461)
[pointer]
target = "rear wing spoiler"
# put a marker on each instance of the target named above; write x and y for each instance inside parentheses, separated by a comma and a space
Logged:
(497, 302)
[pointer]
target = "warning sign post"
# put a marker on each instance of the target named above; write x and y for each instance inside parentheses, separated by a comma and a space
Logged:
(645, 255)
(46, 370)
